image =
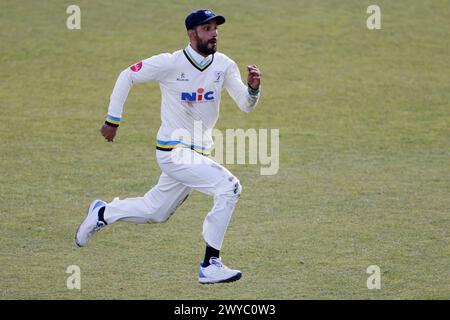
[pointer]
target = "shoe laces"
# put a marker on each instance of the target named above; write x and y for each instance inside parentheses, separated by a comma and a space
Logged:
(217, 262)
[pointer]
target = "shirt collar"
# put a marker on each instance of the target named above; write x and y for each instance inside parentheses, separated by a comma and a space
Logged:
(199, 59)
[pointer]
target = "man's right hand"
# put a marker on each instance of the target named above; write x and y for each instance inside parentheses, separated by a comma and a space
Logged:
(109, 132)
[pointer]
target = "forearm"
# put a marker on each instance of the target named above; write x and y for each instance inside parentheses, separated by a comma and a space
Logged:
(245, 97)
(118, 97)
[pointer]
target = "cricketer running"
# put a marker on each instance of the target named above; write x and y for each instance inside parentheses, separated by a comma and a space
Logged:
(191, 82)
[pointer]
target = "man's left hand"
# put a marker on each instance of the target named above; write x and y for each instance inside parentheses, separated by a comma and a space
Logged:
(254, 77)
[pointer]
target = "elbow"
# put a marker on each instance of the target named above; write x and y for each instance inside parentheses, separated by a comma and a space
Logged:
(249, 105)
(247, 108)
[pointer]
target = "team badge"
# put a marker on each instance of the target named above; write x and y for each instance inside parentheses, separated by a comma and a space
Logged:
(218, 75)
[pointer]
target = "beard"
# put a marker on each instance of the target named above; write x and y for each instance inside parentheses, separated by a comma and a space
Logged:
(206, 47)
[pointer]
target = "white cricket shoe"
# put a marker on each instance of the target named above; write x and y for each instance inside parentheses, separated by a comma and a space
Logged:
(217, 272)
(90, 225)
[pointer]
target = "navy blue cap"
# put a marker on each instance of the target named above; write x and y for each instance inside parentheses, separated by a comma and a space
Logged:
(202, 16)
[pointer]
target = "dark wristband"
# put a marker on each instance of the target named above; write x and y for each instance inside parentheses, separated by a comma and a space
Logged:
(252, 91)
(111, 124)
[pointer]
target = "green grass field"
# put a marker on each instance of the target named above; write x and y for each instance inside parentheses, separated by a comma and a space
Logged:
(364, 178)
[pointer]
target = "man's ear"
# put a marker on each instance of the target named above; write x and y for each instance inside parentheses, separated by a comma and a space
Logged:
(191, 33)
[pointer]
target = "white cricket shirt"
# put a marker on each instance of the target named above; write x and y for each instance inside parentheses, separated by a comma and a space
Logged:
(191, 87)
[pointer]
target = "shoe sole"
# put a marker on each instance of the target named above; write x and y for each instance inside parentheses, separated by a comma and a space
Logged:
(232, 279)
(91, 206)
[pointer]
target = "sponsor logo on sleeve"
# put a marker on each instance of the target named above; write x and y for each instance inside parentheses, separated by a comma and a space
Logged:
(136, 67)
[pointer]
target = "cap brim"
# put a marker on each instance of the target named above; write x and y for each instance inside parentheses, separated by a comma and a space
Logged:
(219, 19)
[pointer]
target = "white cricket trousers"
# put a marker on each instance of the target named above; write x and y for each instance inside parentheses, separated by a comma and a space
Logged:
(183, 170)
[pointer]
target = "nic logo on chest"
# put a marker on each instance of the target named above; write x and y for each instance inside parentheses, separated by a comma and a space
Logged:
(202, 89)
